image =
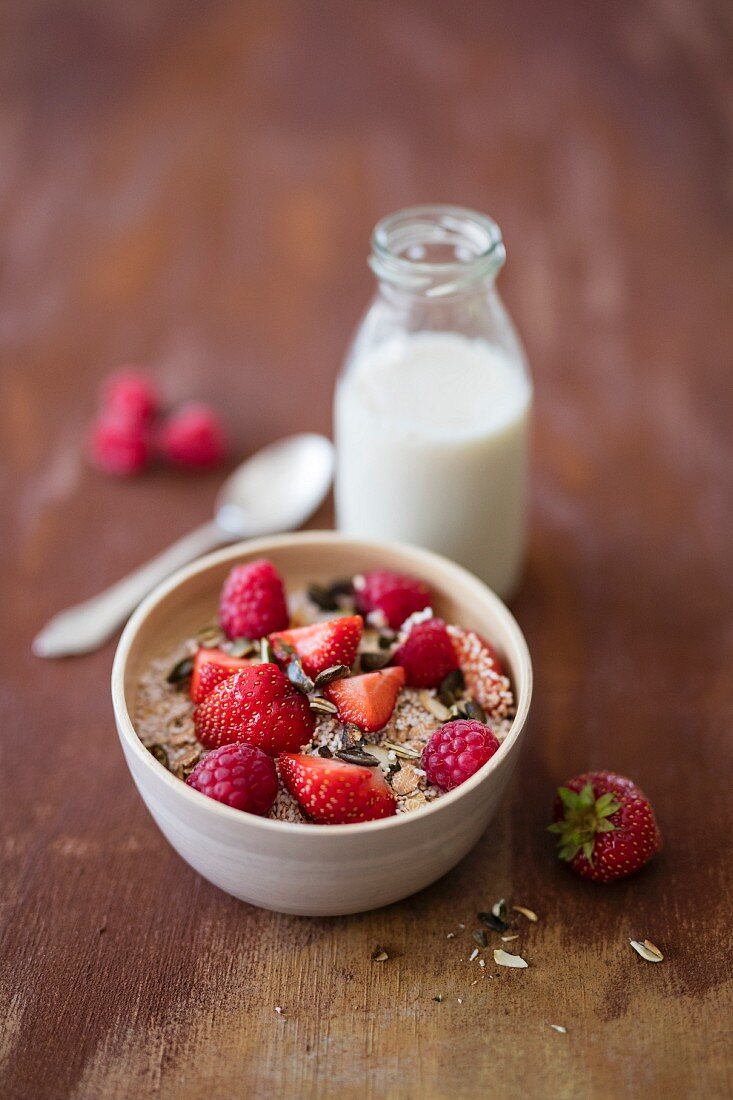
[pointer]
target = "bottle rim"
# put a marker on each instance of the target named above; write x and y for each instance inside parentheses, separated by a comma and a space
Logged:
(402, 244)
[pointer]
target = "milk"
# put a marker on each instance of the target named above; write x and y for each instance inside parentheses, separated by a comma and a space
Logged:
(432, 446)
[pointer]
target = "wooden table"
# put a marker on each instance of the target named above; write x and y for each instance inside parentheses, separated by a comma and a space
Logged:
(193, 186)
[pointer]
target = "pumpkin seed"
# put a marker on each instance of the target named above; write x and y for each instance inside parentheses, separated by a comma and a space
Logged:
(402, 750)
(496, 924)
(451, 687)
(332, 597)
(335, 672)
(359, 757)
(322, 706)
(322, 597)
(373, 662)
(180, 671)
(475, 711)
(298, 677)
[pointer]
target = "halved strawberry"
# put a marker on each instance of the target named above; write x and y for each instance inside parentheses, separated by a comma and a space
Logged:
(323, 644)
(257, 705)
(368, 700)
(332, 792)
(210, 668)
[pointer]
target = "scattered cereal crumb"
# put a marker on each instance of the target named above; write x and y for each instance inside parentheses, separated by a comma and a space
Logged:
(528, 913)
(473, 955)
(503, 958)
(560, 1028)
(647, 950)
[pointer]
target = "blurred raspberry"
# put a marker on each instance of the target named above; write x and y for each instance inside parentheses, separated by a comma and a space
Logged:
(397, 595)
(193, 438)
(119, 444)
(129, 393)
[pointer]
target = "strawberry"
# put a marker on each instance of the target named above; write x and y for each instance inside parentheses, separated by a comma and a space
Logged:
(426, 654)
(368, 700)
(210, 668)
(606, 826)
(332, 792)
(258, 706)
(252, 601)
(321, 645)
(396, 595)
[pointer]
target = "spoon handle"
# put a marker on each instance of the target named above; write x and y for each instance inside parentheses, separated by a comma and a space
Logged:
(86, 626)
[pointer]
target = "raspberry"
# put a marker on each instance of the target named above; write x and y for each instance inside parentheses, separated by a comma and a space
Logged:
(118, 444)
(131, 394)
(456, 751)
(193, 438)
(252, 602)
(426, 654)
(240, 776)
(396, 595)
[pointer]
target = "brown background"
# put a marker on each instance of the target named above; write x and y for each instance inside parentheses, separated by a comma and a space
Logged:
(192, 186)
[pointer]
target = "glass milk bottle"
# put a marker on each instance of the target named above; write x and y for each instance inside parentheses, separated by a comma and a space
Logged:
(432, 406)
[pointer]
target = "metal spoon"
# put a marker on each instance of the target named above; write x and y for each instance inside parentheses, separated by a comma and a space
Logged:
(277, 489)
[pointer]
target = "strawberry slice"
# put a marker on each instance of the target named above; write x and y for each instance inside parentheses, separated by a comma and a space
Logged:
(332, 792)
(323, 644)
(259, 706)
(210, 668)
(368, 700)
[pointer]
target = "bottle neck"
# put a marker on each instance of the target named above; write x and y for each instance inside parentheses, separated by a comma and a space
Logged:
(429, 253)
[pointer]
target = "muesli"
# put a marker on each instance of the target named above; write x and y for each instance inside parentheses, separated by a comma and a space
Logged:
(348, 702)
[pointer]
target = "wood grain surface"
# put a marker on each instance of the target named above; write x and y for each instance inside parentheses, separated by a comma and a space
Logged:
(192, 186)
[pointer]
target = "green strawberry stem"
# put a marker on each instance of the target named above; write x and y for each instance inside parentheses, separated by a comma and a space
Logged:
(584, 817)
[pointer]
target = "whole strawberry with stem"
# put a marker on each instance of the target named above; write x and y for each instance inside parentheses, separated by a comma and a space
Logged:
(606, 826)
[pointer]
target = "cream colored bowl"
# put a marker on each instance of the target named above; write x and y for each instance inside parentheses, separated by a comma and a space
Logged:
(310, 869)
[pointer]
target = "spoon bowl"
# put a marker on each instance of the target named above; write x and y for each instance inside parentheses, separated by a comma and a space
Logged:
(278, 488)
(275, 490)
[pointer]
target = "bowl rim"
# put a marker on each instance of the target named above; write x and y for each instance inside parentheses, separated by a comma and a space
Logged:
(231, 552)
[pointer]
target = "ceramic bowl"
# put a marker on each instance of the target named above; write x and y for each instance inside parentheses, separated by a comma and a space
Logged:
(316, 870)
